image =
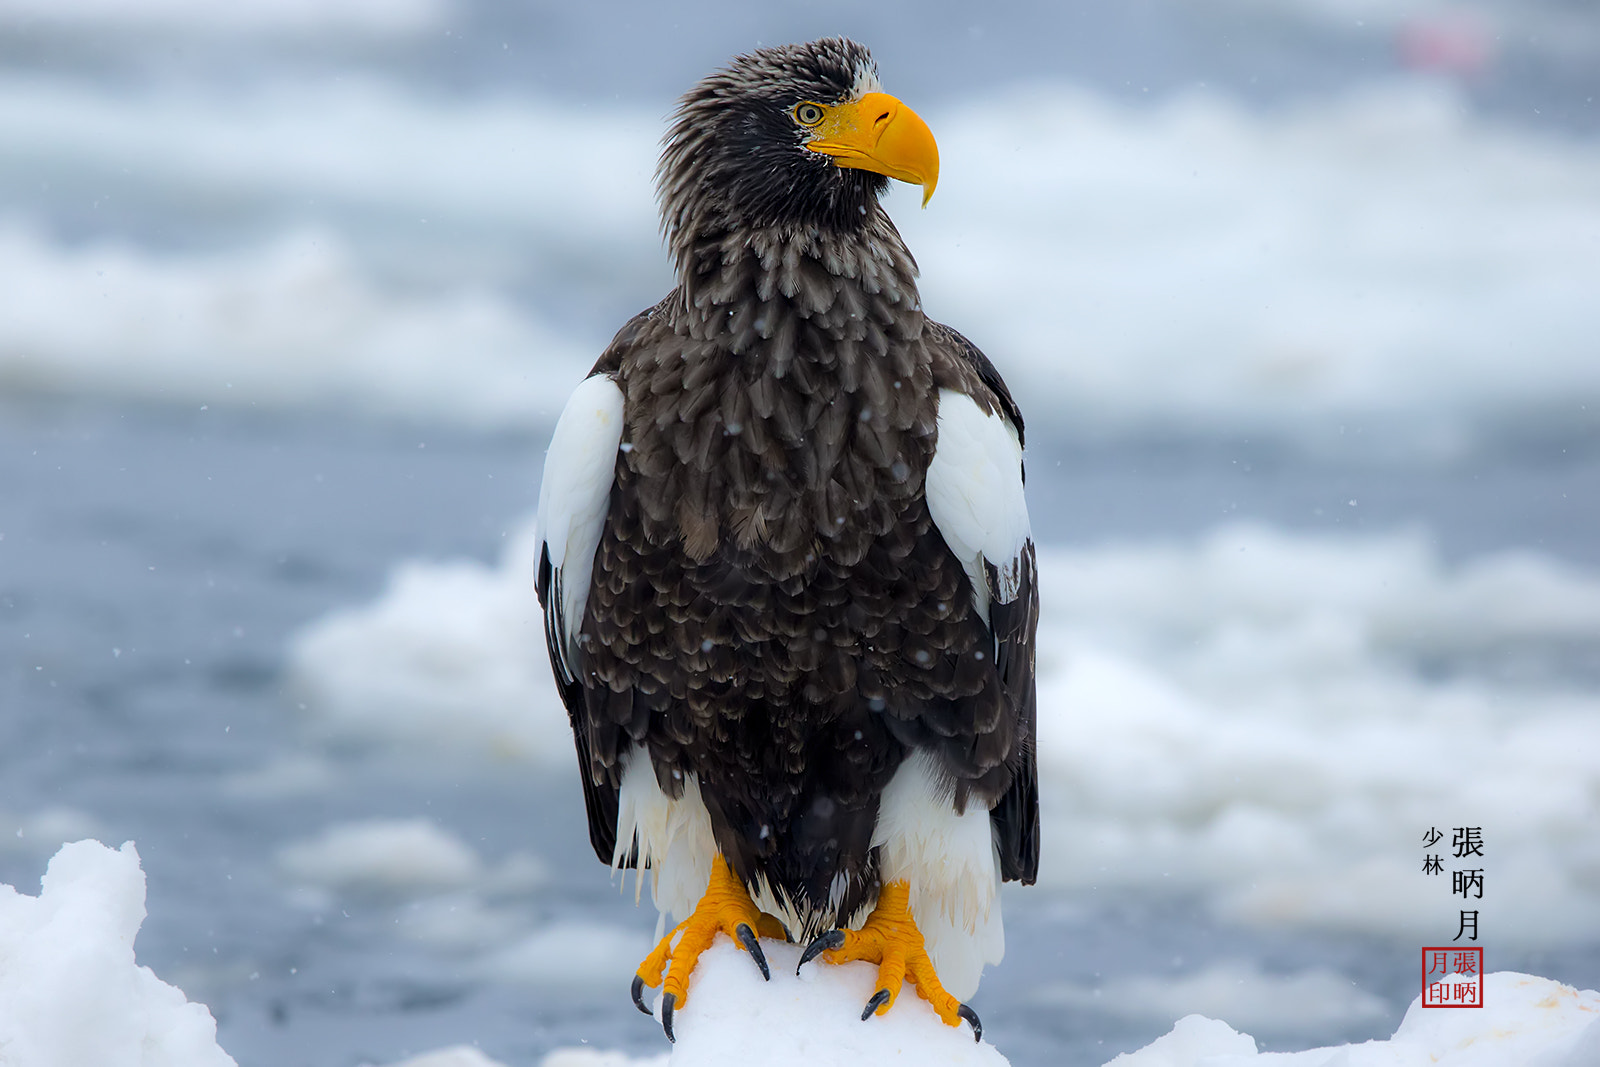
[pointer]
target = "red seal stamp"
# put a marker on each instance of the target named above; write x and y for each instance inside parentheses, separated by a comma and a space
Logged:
(1452, 977)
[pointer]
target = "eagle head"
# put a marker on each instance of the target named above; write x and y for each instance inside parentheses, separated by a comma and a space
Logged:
(801, 136)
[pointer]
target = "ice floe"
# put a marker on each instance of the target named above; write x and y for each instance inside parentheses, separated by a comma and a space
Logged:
(1385, 258)
(396, 855)
(450, 655)
(455, 1056)
(1273, 721)
(293, 322)
(1268, 720)
(569, 953)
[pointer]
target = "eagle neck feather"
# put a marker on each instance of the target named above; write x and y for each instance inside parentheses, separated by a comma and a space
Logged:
(835, 280)
(784, 406)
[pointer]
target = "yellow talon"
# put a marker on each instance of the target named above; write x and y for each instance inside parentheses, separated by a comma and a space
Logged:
(890, 939)
(725, 908)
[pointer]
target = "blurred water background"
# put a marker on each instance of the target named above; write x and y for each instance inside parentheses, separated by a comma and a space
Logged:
(1302, 300)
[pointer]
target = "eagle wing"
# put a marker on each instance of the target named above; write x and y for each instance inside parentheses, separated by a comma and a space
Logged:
(975, 497)
(573, 500)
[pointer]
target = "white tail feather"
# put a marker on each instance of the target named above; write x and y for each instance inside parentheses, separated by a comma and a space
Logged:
(952, 867)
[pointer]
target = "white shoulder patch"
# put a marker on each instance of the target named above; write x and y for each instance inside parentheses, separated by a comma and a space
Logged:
(578, 471)
(974, 490)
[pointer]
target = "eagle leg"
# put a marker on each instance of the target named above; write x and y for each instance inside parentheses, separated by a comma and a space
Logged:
(725, 908)
(890, 939)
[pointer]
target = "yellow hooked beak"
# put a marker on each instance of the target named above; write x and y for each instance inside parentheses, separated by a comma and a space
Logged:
(880, 134)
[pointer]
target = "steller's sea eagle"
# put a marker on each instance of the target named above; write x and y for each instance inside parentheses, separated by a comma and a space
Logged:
(786, 569)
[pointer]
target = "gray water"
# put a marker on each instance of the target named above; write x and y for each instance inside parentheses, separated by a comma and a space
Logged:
(154, 563)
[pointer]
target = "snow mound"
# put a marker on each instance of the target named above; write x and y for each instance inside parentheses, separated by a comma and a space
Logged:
(1525, 1021)
(809, 1020)
(71, 992)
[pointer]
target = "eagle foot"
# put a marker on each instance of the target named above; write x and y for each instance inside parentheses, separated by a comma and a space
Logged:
(725, 908)
(890, 939)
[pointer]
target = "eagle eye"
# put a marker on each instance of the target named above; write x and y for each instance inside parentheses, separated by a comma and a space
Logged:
(808, 114)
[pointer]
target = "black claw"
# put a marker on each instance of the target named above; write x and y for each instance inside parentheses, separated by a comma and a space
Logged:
(880, 998)
(820, 944)
(747, 938)
(667, 1000)
(638, 994)
(972, 1017)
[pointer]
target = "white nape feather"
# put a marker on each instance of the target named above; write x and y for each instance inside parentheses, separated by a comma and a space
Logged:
(866, 82)
(578, 471)
(952, 867)
(974, 492)
(674, 837)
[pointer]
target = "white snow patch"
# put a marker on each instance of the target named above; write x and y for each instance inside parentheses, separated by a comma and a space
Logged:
(1192, 1038)
(1525, 1020)
(452, 655)
(71, 991)
(382, 855)
(294, 322)
(1305, 1002)
(1274, 721)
